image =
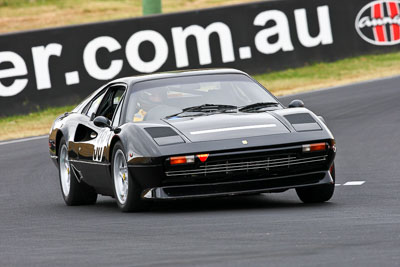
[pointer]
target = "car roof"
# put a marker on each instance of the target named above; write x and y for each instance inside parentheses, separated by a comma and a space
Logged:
(174, 74)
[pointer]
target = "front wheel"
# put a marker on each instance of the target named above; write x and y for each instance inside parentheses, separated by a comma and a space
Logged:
(126, 189)
(74, 192)
(318, 193)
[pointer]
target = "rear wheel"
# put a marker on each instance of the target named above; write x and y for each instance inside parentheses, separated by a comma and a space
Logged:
(319, 193)
(74, 192)
(126, 190)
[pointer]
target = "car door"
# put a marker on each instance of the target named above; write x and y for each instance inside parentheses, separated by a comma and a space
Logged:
(91, 142)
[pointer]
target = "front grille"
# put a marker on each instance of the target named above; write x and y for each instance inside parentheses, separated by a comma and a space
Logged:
(245, 165)
(228, 167)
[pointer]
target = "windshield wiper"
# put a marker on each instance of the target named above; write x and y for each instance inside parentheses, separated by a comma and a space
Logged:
(257, 106)
(208, 107)
(205, 108)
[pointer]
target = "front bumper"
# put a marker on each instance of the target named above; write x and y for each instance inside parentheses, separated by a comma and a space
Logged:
(237, 187)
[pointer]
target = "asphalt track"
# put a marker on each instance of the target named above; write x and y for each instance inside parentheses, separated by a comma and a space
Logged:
(360, 226)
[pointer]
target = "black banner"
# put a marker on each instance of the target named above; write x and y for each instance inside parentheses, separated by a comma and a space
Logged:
(60, 66)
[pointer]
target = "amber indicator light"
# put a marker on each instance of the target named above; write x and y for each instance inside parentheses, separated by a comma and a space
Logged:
(181, 160)
(314, 147)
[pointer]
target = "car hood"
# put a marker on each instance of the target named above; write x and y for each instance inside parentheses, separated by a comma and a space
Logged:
(227, 126)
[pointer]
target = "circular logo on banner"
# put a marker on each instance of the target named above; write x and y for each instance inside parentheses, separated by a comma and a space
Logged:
(378, 22)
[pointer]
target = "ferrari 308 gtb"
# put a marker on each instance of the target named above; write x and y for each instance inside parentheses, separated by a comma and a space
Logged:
(191, 134)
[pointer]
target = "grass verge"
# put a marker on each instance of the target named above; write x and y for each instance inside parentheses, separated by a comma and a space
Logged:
(18, 15)
(33, 124)
(289, 81)
(322, 75)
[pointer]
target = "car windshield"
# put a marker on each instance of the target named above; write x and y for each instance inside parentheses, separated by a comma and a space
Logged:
(158, 99)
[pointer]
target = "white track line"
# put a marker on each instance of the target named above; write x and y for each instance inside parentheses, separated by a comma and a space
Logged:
(24, 140)
(354, 183)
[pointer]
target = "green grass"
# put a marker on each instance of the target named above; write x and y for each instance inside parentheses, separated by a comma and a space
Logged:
(32, 124)
(58, 3)
(280, 83)
(330, 74)
(18, 15)
(32, 3)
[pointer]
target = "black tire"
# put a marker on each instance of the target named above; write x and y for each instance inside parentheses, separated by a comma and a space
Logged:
(79, 192)
(319, 193)
(133, 202)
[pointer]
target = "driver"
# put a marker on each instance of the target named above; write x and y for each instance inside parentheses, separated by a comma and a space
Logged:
(147, 101)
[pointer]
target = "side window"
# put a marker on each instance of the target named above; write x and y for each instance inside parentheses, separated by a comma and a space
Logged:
(92, 106)
(110, 101)
(117, 116)
(85, 104)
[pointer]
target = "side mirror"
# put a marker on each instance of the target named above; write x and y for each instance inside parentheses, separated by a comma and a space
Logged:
(296, 104)
(102, 121)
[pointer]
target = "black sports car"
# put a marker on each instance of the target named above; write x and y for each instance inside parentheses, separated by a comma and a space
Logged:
(190, 134)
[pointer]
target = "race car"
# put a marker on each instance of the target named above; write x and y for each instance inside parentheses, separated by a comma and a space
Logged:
(190, 134)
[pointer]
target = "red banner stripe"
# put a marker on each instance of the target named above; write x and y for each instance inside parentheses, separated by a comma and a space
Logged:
(394, 11)
(379, 31)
